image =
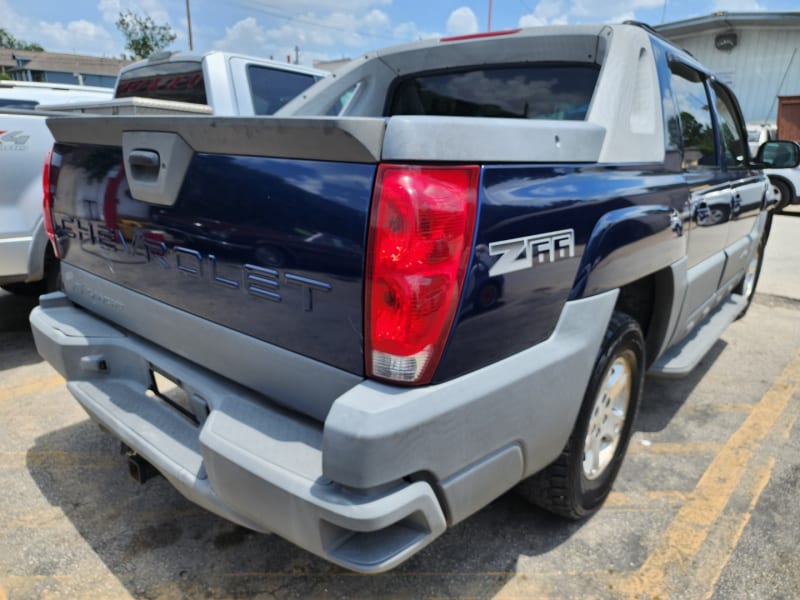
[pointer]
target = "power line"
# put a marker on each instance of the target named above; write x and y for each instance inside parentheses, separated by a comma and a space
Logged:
(526, 7)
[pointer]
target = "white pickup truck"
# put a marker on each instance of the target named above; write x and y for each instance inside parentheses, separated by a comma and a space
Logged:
(214, 83)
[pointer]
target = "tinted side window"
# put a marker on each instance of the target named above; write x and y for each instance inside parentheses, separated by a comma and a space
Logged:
(178, 81)
(341, 103)
(560, 92)
(697, 130)
(272, 88)
(731, 132)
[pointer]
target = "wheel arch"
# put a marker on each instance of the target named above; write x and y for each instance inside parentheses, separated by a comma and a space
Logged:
(37, 252)
(654, 301)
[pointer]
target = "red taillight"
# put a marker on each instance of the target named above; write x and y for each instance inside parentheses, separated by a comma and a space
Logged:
(419, 243)
(48, 204)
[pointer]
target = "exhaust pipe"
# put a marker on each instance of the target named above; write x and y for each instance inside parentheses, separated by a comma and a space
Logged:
(138, 468)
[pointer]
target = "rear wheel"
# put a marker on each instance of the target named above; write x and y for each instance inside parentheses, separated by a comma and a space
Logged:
(578, 482)
(782, 192)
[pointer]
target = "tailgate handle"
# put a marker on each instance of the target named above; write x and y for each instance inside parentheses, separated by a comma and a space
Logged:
(156, 163)
(145, 164)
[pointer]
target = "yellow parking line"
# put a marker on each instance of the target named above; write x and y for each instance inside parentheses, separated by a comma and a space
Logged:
(690, 528)
(25, 586)
(715, 564)
(15, 391)
(789, 420)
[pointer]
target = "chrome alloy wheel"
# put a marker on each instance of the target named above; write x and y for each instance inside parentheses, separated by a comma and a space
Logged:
(608, 417)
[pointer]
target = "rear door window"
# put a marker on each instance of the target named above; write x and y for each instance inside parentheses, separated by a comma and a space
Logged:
(178, 81)
(731, 131)
(559, 92)
(697, 130)
(272, 88)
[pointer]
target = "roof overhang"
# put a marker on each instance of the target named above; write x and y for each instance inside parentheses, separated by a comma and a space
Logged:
(728, 20)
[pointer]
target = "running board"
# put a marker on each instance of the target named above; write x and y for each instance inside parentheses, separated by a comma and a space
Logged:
(681, 359)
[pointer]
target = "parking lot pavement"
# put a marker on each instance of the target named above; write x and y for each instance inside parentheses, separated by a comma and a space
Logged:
(781, 273)
(704, 507)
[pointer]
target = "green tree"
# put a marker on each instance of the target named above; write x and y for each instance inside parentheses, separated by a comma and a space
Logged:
(143, 35)
(7, 40)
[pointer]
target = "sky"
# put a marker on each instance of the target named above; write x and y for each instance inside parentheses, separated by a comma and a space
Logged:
(326, 29)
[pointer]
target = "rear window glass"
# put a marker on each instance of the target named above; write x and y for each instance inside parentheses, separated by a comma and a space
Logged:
(18, 103)
(272, 88)
(178, 81)
(559, 92)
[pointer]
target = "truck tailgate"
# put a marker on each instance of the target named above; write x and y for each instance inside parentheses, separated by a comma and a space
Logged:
(264, 232)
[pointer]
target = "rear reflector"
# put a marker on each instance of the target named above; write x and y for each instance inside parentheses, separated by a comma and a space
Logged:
(47, 204)
(419, 243)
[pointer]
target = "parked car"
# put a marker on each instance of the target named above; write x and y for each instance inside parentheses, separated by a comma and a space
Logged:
(780, 160)
(759, 133)
(27, 263)
(219, 83)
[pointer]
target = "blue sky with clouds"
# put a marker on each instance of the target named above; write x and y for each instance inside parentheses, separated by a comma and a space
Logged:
(327, 29)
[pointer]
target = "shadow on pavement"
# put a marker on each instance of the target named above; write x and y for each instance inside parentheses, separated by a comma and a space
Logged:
(150, 537)
(664, 396)
(16, 342)
(790, 211)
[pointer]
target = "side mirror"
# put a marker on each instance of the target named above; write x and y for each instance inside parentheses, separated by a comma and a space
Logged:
(778, 155)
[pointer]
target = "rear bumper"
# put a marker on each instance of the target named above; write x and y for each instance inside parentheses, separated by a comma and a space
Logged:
(249, 461)
(385, 474)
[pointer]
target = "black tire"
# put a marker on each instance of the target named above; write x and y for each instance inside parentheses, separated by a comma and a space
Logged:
(577, 482)
(487, 296)
(784, 192)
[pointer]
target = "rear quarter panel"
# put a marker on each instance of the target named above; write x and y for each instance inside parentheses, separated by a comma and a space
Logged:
(625, 223)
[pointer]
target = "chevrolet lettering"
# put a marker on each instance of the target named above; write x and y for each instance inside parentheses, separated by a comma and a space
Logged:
(148, 246)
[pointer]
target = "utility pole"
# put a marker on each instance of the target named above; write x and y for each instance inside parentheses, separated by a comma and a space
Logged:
(189, 23)
(489, 28)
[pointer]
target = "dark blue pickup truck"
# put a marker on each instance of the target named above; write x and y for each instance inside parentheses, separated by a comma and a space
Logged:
(438, 275)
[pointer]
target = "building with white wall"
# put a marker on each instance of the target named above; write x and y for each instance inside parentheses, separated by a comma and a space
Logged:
(756, 54)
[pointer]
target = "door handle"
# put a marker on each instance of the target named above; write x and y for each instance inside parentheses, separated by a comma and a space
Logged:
(145, 164)
(156, 163)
